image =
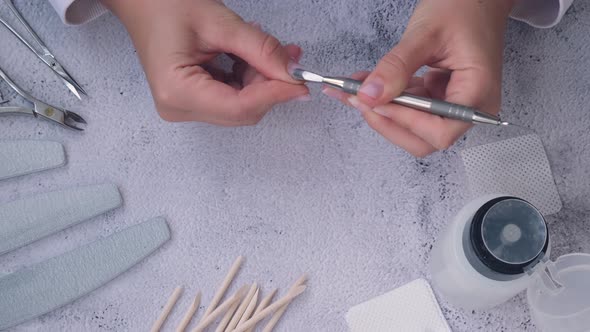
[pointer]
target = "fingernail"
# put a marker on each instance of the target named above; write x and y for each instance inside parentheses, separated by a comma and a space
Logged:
(359, 105)
(304, 98)
(373, 89)
(292, 66)
(331, 93)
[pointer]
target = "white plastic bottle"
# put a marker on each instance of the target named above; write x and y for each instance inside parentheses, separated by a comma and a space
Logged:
(482, 258)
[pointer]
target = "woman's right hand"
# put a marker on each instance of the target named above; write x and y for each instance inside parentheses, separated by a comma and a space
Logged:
(462, 42)
(177, 42)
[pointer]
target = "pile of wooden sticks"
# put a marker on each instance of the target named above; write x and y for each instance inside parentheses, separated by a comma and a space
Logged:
(241, 311)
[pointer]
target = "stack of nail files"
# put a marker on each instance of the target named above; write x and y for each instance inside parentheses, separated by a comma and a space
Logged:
(240, 312)
(41, 288)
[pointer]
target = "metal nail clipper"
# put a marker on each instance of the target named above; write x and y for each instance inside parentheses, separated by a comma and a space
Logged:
(40, 109)
(41, 51)
(432, 106)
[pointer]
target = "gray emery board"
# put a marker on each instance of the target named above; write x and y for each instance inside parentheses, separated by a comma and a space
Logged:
(25, 157)
(41, 288)
(27, 220)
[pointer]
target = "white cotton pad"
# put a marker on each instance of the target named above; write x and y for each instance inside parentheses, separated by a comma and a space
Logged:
(516, 166)
(25, 157)
(410, 308)
(46, 286)
(29, 219)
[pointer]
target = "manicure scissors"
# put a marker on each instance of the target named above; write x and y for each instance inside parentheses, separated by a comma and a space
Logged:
(40, 109)
(42, 52)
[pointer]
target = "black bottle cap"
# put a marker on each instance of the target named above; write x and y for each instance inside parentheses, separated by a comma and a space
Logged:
(508, 234)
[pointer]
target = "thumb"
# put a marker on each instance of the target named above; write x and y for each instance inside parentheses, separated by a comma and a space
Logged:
(259, 49)
(393, 72)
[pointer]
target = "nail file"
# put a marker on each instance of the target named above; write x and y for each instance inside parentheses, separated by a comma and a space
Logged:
(27, 220)
(25, 157)
(41, 288)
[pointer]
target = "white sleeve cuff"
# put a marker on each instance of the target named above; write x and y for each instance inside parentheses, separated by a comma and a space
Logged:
(78, 11)
(540, 13)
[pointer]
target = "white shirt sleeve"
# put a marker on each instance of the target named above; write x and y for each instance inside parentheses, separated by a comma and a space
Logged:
(78, 11)
(540, 13)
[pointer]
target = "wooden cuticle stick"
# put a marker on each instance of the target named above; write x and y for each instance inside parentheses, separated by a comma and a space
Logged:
(186, 320)
(223, 287)
(221, 309)
(250, 308)
(263, 304)
(250, 323)
(277, 315)
(242, 308)
(227, 317)
(167, 308)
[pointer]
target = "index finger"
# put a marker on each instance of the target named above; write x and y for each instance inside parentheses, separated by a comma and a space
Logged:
(469, 87)
(195, 96)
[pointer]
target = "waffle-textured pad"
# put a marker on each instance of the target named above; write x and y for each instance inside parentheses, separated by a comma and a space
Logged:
(517, 167)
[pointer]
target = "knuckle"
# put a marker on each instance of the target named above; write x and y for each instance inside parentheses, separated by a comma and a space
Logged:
(270, 46)
(162, 96)
(372, 121)
(242, 115)
(444, 141)
(252, 121)
(224, 18)
(396, 63)
(221, 27)
(422, 153)
(165, 103)
(421, 28)
(167, 115)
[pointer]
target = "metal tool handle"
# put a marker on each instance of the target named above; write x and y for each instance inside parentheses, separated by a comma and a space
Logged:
(437, 107)
(351, 86)
(29, 29)
(17, 35)
(433, 106)
(16, 110)
(16, 88)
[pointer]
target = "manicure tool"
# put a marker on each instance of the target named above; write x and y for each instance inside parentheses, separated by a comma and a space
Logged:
(63, 117)
(40, 288)
(26, 157)
(433, 106)
(27, 220)
(43, 52)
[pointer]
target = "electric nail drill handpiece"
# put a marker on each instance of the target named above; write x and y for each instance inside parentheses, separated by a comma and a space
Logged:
(433, 106)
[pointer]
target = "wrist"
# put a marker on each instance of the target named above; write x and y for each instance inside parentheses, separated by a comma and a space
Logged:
(508, 5)
(492, 7)
(120, 7)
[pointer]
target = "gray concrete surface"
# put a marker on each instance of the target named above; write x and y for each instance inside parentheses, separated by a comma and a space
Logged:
(310, 189)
